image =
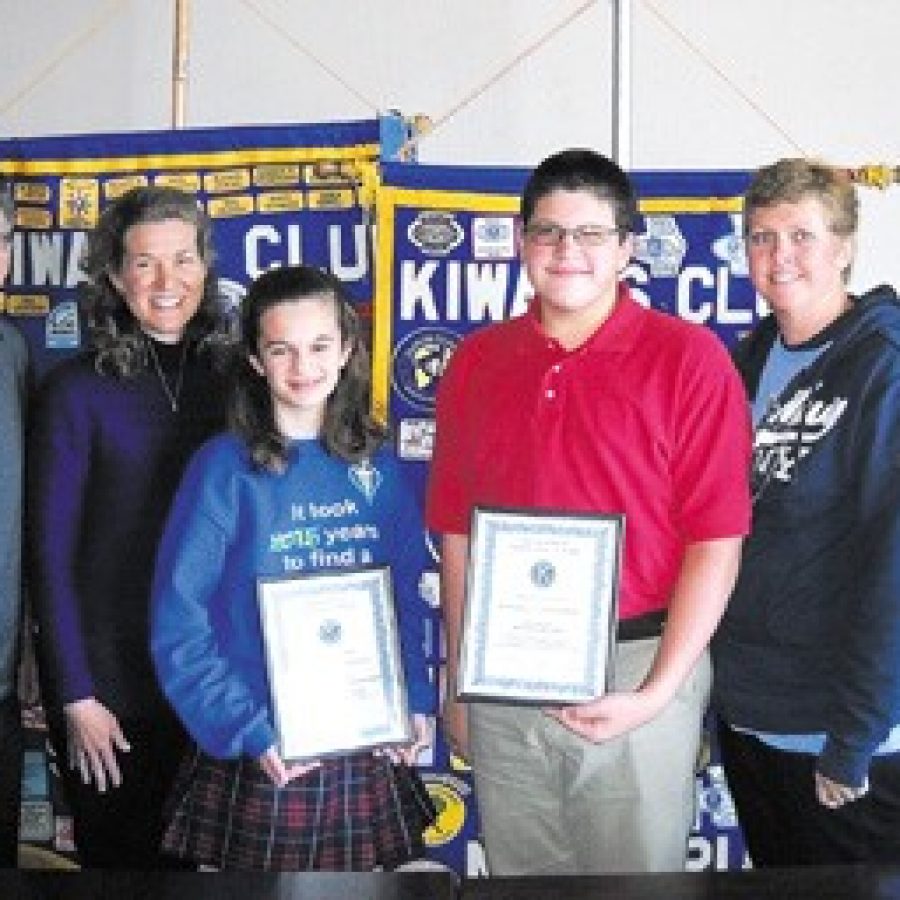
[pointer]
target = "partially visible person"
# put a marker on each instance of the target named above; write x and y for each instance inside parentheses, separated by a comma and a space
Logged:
(13, 390)
(303, 483)
(589, 402)
(112, 431)
(808, 654)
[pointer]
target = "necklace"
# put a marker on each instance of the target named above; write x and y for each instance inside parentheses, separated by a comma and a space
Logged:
(171, 395)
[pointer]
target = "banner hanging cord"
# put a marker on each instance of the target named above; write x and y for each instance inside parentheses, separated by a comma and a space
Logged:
(425, 125)
(879, 176)
(717, 69)
(520, 57)
(278, 28)
(97, 24)
(875, 175)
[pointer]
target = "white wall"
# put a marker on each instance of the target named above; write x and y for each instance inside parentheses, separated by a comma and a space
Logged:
(716, 83)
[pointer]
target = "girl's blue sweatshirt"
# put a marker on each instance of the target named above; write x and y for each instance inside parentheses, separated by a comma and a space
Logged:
(230, 524)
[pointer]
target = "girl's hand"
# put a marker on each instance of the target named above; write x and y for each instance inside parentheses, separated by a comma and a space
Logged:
(281, 774)
(422, 740)
(93, 737)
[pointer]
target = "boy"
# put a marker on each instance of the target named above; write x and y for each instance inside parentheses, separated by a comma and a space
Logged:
(589, 402)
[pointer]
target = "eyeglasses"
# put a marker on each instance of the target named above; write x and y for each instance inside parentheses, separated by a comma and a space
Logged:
(549, 234)
(768, 240)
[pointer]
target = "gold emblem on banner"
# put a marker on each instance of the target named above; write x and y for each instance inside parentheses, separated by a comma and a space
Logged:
(32, 192)
(276, 176)
(115, 187)
(189, 182)
(329, 172)
(226, 181)
(224, 207)
(279, 201)
(79, 202)
(32, 218)
(331, 199)
(451, 814)
(27, 304)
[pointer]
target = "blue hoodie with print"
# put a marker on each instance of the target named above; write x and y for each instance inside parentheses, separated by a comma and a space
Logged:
(810, 641)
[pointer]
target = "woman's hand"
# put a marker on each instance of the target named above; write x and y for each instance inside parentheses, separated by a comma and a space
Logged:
(281, 774)
(834, 795)
(93, 737)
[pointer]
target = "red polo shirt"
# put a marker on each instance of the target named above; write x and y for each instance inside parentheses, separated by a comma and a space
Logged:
(648, 418)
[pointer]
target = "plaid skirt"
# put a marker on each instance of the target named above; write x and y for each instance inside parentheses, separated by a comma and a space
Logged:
(353, 813)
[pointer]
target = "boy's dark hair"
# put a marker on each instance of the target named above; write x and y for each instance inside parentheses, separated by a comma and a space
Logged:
(583, 170)
(349, 430)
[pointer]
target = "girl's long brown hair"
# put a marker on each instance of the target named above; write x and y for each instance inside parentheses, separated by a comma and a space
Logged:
(349, 430)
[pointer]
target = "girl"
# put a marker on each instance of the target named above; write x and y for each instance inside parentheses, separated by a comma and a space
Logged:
(252, 504)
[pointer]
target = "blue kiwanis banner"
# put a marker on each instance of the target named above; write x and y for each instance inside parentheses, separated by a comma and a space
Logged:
(446, 265)
(276, 195)
(444, 254)
(280, 194)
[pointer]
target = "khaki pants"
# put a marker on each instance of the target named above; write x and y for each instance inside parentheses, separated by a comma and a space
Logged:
(553, 803)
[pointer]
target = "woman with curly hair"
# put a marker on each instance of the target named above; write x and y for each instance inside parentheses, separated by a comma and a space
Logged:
(113, 428)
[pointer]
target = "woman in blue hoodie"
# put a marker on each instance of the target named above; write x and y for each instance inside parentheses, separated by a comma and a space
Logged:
(807, 657)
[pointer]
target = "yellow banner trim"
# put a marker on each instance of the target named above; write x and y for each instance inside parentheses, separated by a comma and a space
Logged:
(389, 198)
(170, 161)
(657, 205)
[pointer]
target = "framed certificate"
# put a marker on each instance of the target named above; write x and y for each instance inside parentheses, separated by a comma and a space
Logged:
(334, 663)
(539, 620)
